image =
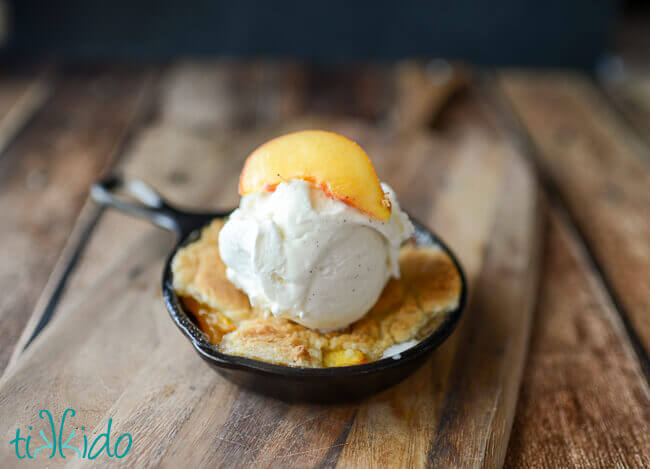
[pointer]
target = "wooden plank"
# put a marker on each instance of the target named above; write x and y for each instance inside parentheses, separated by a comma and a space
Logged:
(584, 402)
(602, 172)
(45, 176)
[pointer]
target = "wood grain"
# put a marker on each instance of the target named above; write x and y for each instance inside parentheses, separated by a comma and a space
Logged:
(182, 412)
(584, 402)
(602, 172)
(111, 351)
(44, 179)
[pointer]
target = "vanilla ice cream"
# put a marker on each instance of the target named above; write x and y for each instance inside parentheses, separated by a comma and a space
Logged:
(304, 256)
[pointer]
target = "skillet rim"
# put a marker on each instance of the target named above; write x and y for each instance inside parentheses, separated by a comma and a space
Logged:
(423, 236)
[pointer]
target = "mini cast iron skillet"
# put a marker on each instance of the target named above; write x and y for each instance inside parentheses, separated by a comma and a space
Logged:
(284, 382)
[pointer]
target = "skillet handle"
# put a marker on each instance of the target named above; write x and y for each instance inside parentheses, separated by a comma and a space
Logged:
(143, 202)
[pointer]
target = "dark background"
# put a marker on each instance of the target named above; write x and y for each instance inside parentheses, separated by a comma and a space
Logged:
(573, 33)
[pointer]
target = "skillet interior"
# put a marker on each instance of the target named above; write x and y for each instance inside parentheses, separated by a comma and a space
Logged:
(311, 384)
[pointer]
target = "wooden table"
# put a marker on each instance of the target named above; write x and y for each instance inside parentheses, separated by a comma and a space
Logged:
(539, 180)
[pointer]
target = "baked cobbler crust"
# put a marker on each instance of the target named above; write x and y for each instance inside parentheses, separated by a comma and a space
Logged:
(409, 308)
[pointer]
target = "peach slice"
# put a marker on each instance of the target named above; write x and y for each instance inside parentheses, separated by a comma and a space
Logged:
(344, 358)
(334, 163)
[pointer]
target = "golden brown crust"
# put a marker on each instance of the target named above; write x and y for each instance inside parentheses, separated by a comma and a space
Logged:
(200, 273)
(409, 308)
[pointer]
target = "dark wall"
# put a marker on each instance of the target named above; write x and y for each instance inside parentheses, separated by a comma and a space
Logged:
(523, 32)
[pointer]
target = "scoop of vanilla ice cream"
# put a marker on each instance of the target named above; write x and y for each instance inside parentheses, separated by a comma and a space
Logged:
(304, 256)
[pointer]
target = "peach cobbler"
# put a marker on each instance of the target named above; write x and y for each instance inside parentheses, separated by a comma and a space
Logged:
(409, 308)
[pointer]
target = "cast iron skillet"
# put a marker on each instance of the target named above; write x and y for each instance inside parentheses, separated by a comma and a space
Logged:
(284, 382)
